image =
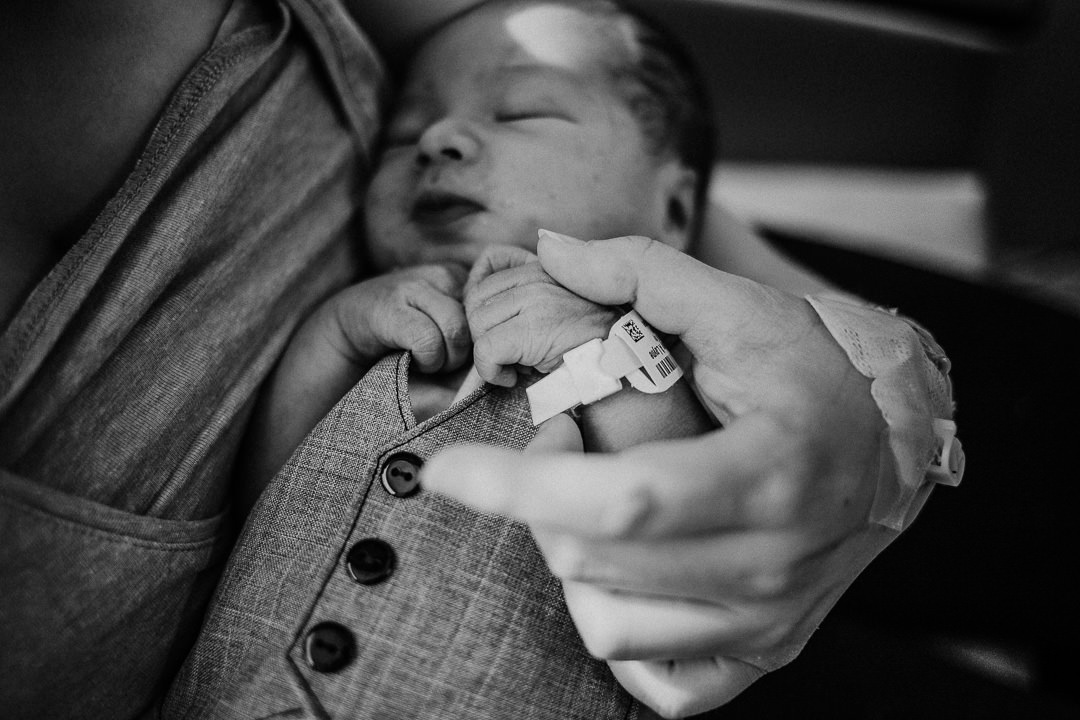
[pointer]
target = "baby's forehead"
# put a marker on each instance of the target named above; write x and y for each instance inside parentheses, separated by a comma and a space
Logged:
(542, 32)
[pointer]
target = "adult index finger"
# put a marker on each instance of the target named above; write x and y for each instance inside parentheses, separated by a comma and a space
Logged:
(677, 689)
(721, 480)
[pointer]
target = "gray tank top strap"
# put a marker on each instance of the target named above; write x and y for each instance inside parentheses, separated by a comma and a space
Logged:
(127, 376)
(350, 61)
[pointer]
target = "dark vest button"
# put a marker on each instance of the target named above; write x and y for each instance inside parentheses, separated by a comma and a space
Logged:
(329, 647)
(370, 561)
(401, 474)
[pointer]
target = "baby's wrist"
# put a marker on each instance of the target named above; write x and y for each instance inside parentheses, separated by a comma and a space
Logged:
(632, 355)
(346, 326)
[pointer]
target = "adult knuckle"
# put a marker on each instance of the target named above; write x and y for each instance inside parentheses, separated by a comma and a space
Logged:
(783, 568)
(603, 642)
(774, 583)
(777, 500)
(567, 560)
(645, 247)
(628, 512)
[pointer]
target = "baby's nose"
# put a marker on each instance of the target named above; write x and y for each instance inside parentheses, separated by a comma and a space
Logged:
(446, 140)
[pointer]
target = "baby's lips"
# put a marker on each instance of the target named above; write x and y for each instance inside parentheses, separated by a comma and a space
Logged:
(443, 208)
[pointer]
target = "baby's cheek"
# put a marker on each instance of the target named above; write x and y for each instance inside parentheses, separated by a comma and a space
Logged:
(566, 209)
(386, 230)
(376, 211)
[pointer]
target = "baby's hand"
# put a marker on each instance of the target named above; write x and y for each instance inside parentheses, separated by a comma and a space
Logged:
(519, 316)
(417, 309)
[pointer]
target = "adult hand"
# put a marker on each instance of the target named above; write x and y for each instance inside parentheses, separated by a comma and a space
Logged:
(695, 566)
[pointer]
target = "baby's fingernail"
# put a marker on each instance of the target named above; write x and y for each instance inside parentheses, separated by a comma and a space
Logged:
(558, 237)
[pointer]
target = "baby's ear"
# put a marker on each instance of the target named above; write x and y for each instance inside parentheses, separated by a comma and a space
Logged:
(679, 187)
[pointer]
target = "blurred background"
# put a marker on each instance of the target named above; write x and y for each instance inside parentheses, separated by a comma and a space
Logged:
(925, 155)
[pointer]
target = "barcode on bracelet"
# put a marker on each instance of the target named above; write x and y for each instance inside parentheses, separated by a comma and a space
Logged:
(666, 366)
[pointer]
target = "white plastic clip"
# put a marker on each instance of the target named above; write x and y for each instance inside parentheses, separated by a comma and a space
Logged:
(947, 467)
(594, 370)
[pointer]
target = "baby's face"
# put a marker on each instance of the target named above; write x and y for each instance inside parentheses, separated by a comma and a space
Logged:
(509, 121)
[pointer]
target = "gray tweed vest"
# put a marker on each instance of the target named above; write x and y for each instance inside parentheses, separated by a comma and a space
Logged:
(344, 600)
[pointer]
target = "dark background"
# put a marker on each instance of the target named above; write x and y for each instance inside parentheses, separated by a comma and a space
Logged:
(972, 612)
(991, 86)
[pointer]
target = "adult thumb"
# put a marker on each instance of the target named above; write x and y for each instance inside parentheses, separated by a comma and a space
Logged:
(679, 688)
(675, 293)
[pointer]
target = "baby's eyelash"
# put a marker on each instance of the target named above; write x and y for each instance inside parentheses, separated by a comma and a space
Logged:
(518, 115)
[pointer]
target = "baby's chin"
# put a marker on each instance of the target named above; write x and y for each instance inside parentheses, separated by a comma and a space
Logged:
(465, 248)
(462, 253)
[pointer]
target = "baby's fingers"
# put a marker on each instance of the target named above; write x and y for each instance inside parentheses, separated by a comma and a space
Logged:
(495, 259)
(502, 295)
(414, 330)
(447, 346)
(429, 324)
(496, 353)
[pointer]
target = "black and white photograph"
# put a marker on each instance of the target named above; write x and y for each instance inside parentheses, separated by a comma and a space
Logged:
(539, 359)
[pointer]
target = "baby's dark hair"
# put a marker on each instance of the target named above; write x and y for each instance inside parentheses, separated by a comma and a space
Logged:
(666, 94)
(664, 91)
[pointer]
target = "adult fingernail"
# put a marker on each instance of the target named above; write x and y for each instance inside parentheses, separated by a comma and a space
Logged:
(558, 237)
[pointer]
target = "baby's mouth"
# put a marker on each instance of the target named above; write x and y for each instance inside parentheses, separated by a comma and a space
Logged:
(441, 208)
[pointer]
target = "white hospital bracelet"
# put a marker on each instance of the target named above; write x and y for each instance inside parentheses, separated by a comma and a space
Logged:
(595, 370)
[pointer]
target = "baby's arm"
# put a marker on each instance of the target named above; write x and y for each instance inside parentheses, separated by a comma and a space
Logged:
(519, 317)
(417, 309)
